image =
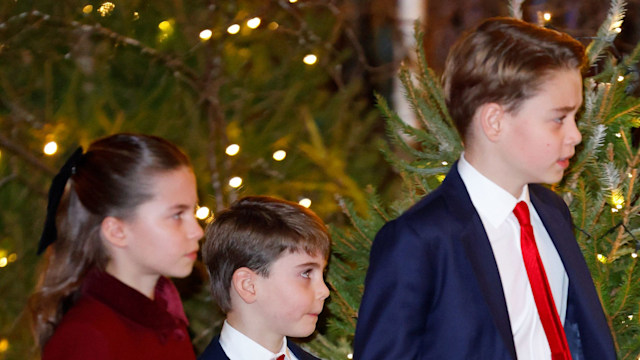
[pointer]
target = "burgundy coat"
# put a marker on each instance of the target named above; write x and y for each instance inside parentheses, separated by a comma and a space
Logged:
(112, 321)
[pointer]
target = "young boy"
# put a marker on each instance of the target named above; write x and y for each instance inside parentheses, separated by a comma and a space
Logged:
(266, 258)
(457, 276)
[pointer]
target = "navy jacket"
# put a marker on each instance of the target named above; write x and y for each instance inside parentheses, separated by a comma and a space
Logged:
(214, 351)
(433, 290)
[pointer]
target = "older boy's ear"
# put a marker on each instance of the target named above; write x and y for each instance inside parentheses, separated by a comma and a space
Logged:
(491, 116)
(243, 282)
(112, 230)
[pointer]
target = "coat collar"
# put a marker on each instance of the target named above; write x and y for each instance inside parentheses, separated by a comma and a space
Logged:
(165, 312)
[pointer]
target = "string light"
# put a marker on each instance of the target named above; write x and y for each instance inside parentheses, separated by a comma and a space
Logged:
(205, 34)
(546, 16)
(349, 356)
(87, 9)
(233, 29)
(634, 255)
(617, 199)
(306, 202)
(202, 212)
(310, 59)
(620, 78)
(601, 258)
(444, 163)
(166, 30)
(235, 182)
(136, 15)
(617, 26)
(253, 22)
(4, 345)
(232, 149)
(3, 261)
(293, 1)
(13, 257)
(50, 148)
(273, 25)
(279, 155)
(618, 135)
(106, 8)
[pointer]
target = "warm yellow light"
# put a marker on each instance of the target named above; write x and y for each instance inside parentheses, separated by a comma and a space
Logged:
(4, 345)
(618, 30)
(50, 148)
(279, 155)
(293, 1)
(235, 182)
(630, 317)
(106, 8)
(310, 59)
(273, 25)
(444, 163)
(614, 210)
(440, 177)
(620, 78)
(205, 34)
(253, 23)
(87, 9)
(547, 16)
(617, 199)
(13, 257)
(618, 135)
(202, 212)
(602, 258)
(306, 202)
(616, 25)
(349, 356)
(233, 29)
(166, 26)
(3, 261)
(634, 254)
(232, 149)
(136, 15)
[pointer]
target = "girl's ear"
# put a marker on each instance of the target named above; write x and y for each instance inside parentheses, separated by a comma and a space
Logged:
(113, 231)
(244, 284)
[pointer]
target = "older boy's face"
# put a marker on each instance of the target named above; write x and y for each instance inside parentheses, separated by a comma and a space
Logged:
(293, 295)
(539, 139)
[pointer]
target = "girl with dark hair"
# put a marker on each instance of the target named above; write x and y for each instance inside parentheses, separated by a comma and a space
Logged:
(120, 220)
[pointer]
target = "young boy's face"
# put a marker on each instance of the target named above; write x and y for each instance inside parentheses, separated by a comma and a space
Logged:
(539, 139)
(293, 295)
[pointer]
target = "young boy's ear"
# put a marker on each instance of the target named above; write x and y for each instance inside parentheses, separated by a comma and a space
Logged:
(243, 282)
(112, 230)
(491, 116)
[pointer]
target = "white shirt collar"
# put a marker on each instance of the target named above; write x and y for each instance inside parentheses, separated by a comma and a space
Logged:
(492, 202)
(238, 346)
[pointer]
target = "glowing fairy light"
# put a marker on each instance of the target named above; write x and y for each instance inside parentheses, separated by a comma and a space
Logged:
(202, 212)
(273, 25)
(546, 16)
(440, 178)
(50, 148)
(310, 59)
(253, 22)
(232, 149)
(13, 257)
(235, 182)
(617, 199)
(279, 155)
(136, 15)
(233, 29)
(618, 135)
(3, 261)
(601, 258)
(166, 26)
(306, 202)
(349, 356)
(444, 163)
(4, 345)
(634, 255)
(205, 34)
(106, 8)
(620, 78)
(617, 26)
(293, 1)
(87, 9)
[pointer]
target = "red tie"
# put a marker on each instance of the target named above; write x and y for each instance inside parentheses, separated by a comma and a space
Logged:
(540, 286)
(281, 357)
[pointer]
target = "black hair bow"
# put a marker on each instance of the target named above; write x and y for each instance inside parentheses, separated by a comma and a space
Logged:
(50, 234)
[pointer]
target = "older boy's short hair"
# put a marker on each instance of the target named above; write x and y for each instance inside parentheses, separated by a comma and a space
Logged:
(504, 61)
(254, 232)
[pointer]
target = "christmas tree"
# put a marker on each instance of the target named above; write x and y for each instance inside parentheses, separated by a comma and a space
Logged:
(600, 187)
(265, 97)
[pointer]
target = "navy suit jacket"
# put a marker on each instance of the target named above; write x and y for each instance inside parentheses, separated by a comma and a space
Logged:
(433, 289)
(214, 351)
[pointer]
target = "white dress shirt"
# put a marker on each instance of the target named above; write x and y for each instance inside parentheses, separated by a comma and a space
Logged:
(495, 207)
(238, 346)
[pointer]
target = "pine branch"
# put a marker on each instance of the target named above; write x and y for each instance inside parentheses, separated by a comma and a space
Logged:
(607, 31)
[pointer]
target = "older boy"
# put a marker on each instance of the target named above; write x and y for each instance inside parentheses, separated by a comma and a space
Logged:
(458, 276)
(266, 258)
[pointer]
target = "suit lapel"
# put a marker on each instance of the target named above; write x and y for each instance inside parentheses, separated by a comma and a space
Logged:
(480, 254)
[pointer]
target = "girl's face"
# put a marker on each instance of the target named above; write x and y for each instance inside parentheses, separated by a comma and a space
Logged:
(162, 237)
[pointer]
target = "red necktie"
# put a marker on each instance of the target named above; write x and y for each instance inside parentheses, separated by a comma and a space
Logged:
(540, 286)
(281, 357)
